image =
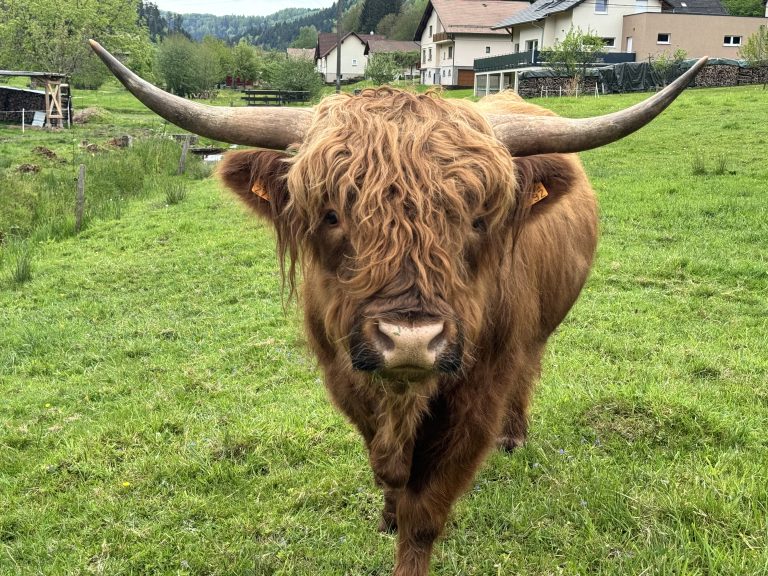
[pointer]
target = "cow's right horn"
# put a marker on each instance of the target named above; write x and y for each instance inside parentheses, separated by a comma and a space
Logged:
(275, 128)
(526, 135)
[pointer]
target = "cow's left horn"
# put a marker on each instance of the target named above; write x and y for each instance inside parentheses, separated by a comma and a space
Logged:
(528, 135)
(275, 128)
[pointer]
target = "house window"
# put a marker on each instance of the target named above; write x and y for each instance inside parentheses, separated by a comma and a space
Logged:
(601, 6)
(430, 31)
(517, 47)
(354, 61)
(450, 52)
(487, 49)
(449, 72)
(424, 55)
(732, 41)
(531, 45)
(663, 38)
(609, 42)
(430, 54)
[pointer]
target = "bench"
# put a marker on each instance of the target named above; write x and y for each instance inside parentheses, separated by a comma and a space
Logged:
(274, 97)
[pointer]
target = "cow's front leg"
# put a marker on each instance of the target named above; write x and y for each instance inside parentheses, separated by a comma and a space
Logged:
(444, 464)
(525, 370)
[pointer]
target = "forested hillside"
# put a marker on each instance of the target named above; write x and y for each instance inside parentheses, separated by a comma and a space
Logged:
(397, 19)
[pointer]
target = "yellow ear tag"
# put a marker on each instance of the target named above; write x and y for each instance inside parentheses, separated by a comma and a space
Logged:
(538, 194)
(260, 192)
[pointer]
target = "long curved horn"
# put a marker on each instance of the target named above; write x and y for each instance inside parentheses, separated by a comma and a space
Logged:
(528, 135)
(275, 128)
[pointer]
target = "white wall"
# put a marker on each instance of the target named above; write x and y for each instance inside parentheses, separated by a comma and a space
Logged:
(428, 44)
(610, 24)
(353, 60)
(605, 25)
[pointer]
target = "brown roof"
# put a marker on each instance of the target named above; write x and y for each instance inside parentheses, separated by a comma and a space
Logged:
(326, 41)
(378, 45)
(470, 16)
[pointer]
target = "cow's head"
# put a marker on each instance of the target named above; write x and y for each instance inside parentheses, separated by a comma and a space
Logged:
(398, 207)
(396, 227)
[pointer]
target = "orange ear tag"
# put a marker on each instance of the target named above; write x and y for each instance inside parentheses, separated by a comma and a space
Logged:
(538, 194)
(260, 192)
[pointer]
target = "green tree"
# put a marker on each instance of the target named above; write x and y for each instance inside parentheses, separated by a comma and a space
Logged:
(382, 68)
(374, 10)
(744, 7)
(296, 74)
(150, 16)
(755, 52)
(175, 56)
(571, 56)
(385, 25)
(408, 20)
(666, 64)
(244, 63)
(207, 66)
(350, 21)
(52, 36)
(307, 38)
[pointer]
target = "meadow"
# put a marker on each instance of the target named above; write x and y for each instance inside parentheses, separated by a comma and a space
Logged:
(159, 413)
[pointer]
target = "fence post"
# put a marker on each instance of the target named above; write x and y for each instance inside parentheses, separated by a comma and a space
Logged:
(23, 121)
(80, 199)
(183, 159)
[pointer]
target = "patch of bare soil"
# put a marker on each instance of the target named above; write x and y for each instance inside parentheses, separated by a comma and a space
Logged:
(43, 151)
(28, 169)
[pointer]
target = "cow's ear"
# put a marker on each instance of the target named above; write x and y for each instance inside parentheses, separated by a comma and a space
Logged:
(258, 179)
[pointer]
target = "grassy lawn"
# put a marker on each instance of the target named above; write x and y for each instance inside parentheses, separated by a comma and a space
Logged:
(160, 415)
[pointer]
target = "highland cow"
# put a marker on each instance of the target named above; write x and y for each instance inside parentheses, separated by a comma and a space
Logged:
(440, 243)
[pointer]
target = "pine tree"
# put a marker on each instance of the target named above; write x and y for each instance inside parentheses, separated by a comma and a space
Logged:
(374, 10)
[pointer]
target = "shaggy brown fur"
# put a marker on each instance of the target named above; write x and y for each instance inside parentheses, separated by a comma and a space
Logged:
(403, 206)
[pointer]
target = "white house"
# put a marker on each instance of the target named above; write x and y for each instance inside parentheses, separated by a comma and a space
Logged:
(546, 22)
(353, 55)
(452, 33)
(645, 27)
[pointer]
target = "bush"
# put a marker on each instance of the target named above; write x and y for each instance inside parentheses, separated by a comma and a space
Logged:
(382, 69)
(665, 65)
(297, 74)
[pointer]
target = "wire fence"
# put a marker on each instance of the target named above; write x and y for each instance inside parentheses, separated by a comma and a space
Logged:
(32, 117)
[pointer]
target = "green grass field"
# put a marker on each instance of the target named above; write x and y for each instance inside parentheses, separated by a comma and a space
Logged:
(160, 415)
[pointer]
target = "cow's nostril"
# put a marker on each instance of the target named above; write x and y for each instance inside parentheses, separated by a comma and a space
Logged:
(410, 344)
(438, 342)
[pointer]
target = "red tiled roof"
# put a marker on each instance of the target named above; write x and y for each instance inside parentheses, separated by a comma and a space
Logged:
(471, 16)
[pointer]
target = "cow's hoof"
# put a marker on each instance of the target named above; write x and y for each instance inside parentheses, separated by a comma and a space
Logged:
(509, 443)
(388, 523)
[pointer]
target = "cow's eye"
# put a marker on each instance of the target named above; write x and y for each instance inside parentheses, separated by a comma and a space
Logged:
(479, 224)
(331, 218)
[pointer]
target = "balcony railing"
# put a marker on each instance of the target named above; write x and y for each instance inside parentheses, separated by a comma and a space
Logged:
(536, 58)
(439, 37)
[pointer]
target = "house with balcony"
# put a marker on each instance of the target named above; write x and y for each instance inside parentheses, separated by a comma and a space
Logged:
(632, 30)
(353, 55)
(453, 33)
(644, 27)
(546, 22)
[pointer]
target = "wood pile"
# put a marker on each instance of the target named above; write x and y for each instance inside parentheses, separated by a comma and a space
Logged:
(552, 86)
(14, 100)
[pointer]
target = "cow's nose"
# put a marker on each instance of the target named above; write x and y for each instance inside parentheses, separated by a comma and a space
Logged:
(410, 345)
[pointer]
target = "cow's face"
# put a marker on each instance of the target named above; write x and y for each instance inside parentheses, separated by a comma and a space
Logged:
(398, 207)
